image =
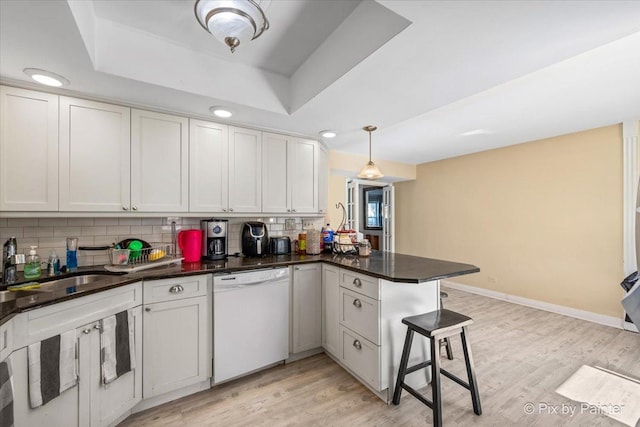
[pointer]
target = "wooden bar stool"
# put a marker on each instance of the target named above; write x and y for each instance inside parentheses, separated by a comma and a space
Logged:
(435, 326)
(446, 341)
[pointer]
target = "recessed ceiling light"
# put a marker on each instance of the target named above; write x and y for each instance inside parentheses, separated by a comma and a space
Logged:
(46, 77)
(476, 132)
(222, 112)
(328, 134)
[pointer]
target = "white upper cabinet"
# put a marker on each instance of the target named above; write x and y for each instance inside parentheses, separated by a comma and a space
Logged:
(245, 170)
(275, 193)
(209, 166)
(28, 150)
(323, 179)
(159, 162)
(303, 170)
(289, 174)
(94, 156)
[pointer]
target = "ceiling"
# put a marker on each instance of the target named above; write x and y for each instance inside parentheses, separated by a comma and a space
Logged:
(424, 72)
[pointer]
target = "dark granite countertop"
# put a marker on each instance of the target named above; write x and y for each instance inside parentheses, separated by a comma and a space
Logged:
(383, 265)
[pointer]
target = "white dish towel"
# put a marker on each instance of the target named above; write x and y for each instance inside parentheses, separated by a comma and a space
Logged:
(52, 367)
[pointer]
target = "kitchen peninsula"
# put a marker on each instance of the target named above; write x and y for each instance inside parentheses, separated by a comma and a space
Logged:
(349, 307)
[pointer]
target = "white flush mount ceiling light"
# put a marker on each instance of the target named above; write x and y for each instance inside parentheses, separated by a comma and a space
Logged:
(221, 112)
(370, 170)
(46, 77)
(328, 134)
(233, 22)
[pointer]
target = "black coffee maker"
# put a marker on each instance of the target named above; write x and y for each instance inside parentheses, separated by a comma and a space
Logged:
(214, 238)
(255, 239)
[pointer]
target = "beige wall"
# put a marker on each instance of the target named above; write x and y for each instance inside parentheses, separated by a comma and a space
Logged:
(343, 165)
(542, 220)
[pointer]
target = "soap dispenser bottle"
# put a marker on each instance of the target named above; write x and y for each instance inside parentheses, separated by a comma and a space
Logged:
(32, 266)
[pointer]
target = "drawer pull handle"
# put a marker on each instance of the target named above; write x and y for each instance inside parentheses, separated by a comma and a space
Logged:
(176, 289)
(357, 282)
(357, 303)
(97, 327)
(357, 345)
(148, 309)
(86, 331)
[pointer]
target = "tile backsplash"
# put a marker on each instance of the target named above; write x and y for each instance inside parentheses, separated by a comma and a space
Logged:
(51, 233)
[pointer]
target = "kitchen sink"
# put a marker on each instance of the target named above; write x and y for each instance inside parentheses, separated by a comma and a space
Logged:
(79, 281)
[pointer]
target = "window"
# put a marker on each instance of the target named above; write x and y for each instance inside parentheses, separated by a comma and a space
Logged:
(372, 208)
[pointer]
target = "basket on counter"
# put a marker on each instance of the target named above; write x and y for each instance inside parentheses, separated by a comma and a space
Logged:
(137, 259)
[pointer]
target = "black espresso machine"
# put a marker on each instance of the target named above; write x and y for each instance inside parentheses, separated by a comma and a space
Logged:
(214, 238)
(254, 239)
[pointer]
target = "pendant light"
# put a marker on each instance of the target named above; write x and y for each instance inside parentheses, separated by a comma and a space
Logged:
(370, 170)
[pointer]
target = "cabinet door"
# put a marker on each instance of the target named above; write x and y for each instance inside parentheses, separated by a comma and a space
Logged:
(107, 403)
(331, 309)
(28, 150)
(159, 162)
(303, 175)
(307, 308)
(209, 166)
(323, 179)
(94, 156)
(245, 170)
(176, 345)
(275, 194)
(60, 411)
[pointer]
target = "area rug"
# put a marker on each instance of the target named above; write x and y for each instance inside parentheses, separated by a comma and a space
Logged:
(601, 391)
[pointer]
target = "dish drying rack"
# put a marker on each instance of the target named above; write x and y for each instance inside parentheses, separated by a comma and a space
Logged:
(133, 260)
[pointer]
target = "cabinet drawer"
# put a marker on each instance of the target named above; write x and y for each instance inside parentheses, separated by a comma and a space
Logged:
(361, 356)
(176, 288)
(360, 283)
(361, 314)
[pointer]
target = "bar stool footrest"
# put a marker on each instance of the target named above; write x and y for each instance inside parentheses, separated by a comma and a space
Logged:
(442, 371)
(417, 395)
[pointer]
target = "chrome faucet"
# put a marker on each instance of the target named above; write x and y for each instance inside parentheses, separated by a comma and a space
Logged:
(10, 268)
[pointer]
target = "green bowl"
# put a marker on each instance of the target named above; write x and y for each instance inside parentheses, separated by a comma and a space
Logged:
(135, 246)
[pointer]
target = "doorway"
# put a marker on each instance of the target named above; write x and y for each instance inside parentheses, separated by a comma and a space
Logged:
(370, 211)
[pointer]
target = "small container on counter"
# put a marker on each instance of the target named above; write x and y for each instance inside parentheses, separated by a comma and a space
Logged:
(314, 237)
(302, 244)
(364, 248)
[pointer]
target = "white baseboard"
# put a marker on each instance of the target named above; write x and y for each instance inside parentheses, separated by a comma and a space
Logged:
(553, 308)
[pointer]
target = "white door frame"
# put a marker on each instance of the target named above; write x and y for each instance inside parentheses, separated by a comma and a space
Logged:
(354, 222)
(630, 182)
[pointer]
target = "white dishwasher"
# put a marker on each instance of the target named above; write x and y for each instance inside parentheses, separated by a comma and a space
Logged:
(250, 321)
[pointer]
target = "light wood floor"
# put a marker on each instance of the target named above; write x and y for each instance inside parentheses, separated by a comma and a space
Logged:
(521, 355)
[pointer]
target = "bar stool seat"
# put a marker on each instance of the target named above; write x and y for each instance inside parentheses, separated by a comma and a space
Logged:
(435, 326)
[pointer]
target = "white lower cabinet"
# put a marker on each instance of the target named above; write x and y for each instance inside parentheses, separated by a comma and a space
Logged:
(331, 309)
(106, 404)
(307, 308)
(177, 334)
(363, 330)
(89, 403)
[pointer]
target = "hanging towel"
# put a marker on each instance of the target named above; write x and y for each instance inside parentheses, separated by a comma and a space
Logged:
(6, 394)
(52, 367)
(117, 355)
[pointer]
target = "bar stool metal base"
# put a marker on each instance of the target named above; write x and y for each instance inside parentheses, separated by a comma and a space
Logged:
(446, 342)
(435, 326)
